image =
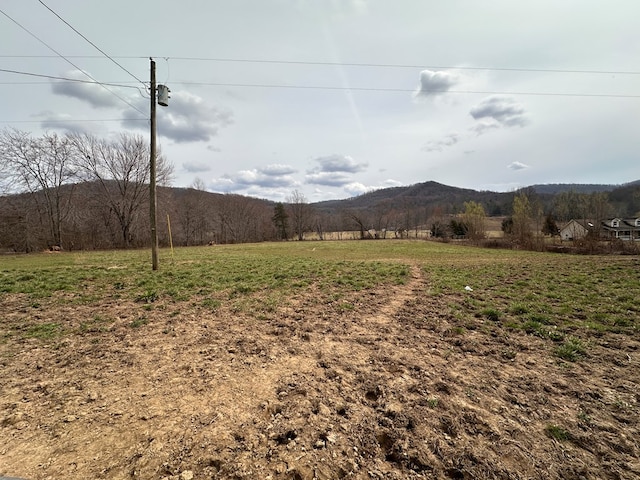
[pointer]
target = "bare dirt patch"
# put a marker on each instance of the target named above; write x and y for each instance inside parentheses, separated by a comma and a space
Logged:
(382, 384)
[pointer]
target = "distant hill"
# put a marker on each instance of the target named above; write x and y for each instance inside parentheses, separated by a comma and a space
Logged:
(427, 194)
(555, 188)
(431, 195)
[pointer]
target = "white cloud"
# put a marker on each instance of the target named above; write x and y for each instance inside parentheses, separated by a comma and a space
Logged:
(224, 184)
(60, 121)
(329, 179)
(338, 163)
(438, 145)
(334, 170)
(92, 93)
(355, 188)
(271, 177)
(277, 170)
(517, 166)
(259, 178)
(484, 126)
(435, 83)
(189, 119)
(196, 166)
(499, 110)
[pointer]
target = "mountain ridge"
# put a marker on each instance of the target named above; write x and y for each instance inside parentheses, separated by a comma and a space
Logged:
(432, 194)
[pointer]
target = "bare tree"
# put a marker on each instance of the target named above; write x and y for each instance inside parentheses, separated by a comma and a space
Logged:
(194, 216)
(198, 184)
(599, 209)
(17, 232)
(569, 205)
(320, 221)
(360, 220)
(6, 186)
(42, 167)
(301, 214)
(120, 168)
(241, 219)
(381, 217)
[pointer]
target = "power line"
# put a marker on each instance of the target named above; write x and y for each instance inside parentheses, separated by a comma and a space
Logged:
(90, 42)
(322, 87)
(355, 64)
(77, 120)
(404, 90)
(55, 77)
(70, 62)
(393, 65)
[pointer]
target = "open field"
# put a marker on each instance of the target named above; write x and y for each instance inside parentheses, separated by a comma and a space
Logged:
(320, 360)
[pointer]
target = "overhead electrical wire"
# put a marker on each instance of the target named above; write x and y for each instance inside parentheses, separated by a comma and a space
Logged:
(55, 77)
(70, 120)
(324, 87)
(392, 65)
(90, 42)
(71, 63)
(356, 64)
(373, 89)
(281, 62)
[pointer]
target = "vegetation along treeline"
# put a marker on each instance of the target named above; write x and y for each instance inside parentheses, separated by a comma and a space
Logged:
(78, 191)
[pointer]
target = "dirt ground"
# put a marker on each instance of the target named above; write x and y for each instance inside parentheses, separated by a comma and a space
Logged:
(391, 389)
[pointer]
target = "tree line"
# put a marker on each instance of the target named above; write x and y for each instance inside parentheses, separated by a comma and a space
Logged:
(78, 191)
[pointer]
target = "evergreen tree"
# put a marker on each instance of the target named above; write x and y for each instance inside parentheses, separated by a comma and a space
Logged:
(280, 220)
(550, 227)
(459, 229)
(507, 225)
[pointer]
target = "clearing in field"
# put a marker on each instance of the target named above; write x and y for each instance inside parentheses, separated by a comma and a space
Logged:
(320, 360)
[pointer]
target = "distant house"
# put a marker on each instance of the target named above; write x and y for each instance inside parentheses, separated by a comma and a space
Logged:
(622, 228)
(576, 229)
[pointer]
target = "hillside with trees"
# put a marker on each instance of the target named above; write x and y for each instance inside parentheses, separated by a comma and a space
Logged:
(83, 192)
(557, 188)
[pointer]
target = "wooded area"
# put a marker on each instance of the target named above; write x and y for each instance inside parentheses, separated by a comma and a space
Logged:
(82, 192)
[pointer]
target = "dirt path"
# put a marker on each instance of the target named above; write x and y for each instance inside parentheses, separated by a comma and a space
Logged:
(386, 384)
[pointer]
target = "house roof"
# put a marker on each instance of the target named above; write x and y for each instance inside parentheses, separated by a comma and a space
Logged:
(623, 223)
(586, 224)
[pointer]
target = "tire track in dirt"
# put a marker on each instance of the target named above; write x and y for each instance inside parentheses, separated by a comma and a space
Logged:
(370, 331)
(401, 296)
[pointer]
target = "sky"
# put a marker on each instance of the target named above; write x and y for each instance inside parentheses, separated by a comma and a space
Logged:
(330, 99)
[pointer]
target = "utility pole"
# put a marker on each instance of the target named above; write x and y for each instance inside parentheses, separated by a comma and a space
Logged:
(152, 177)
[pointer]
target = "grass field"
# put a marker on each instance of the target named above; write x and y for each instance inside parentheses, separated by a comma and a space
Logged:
(353, 359)
(589, 294)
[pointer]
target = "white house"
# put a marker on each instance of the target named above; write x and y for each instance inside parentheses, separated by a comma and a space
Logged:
(576, 229)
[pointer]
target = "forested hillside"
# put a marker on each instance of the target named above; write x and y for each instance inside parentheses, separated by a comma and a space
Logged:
(93, 215)
(81, 192)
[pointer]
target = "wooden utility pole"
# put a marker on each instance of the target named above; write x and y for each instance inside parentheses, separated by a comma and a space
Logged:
(152, 177)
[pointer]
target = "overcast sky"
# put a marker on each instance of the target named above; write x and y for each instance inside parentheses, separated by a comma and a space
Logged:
(333, 98)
